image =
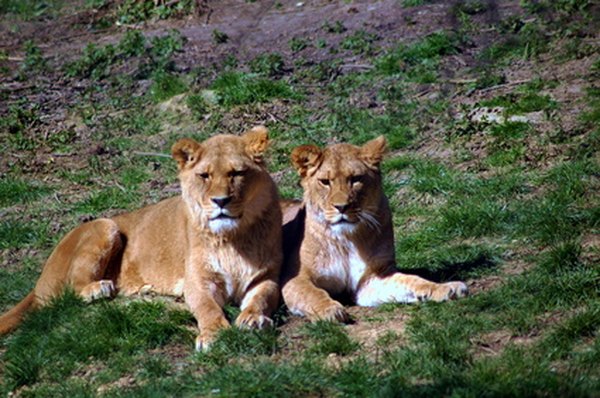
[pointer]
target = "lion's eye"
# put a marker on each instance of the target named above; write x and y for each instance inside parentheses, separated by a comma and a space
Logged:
(204, 176)
(356, 179)
(324, 181)
(237, 173)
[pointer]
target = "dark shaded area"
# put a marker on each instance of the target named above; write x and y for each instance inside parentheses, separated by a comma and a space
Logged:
(452, 271)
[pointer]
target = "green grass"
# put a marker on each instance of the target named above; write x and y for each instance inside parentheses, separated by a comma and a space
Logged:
(30, 9)
(164, 86)
(329, 338)
(267, 64)
(525, 103)
(418, 60)
(16, 234)
(236, 88)
(234, 343)
(131, 11)
(527, 41)
(74, 332)
(17, 284)
(360, 42)
(16, 191)
(97, 62)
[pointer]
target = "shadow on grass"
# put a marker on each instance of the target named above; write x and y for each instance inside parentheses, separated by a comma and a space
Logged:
(450, 271)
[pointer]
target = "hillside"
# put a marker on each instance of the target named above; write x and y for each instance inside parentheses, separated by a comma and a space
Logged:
(492, 114)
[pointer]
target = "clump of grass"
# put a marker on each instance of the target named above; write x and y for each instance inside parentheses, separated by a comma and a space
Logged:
(474, 218)
(237, 88)
(510, 130)
(329, 338)
(165, 85)
(17, 284)
(489, 78)
(16, 124)
(336, 27)
(360, 42)
(267, 64)
(421, 52)
(297, 44)
(413, 3)
(132, 44)
(419, 58)
(15, 191)
(197, 105)
(163, 48)
(559, 343)
(34, 60)
(110, 198)
(517, 104)
(30, 9)
(16, 234)
(469, 7)
(563, 213)
(234, 343)
(94, 62)
(132, 11)
(431, 177)
(528, 41)
(219, 37)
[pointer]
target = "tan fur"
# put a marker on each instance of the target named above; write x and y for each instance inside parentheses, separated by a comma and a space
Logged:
(219, 242)
(347, 244)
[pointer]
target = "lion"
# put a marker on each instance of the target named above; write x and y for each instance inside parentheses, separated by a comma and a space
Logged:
(219, 241)
(340, 239)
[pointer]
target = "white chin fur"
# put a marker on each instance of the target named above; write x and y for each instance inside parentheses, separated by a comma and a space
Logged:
(222, 225)
(342, 229)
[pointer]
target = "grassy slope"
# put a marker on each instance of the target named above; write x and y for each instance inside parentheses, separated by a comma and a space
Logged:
(511, 206)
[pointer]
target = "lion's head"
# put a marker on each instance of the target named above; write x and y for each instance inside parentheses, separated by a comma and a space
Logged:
(342, 183)
(224, 180)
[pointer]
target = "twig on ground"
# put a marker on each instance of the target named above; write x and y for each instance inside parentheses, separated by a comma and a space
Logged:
(509, 84)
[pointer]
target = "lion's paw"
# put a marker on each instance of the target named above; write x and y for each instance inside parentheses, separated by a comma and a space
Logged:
(332, 312)
(450, 290)
(98, 290)
(252, 320)
(204, 341)
(458, 289)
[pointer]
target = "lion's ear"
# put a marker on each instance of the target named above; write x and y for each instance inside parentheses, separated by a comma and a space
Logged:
(306, 157)
(257, 142)
(372, 152)
(186, 151)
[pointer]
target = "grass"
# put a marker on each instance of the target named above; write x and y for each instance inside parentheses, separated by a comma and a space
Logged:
(131, 11)
(14, 192)
(418, 60)
(30, 9)
(329, 338)
(506, 206)
(235, 88)
(97, 333)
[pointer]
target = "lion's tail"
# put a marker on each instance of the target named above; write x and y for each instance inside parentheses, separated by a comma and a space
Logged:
(11, 319)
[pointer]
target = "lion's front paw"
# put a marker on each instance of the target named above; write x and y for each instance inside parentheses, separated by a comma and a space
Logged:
(253, 320)
(209, 332)
(449, 291)
(458, 289)
(333, 311)
(97, 290)
(204, 341)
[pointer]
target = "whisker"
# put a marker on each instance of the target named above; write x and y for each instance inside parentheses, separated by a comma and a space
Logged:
(369, 218)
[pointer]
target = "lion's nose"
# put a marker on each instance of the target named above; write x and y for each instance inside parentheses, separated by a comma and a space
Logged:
(221, 201)
(341, 208)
